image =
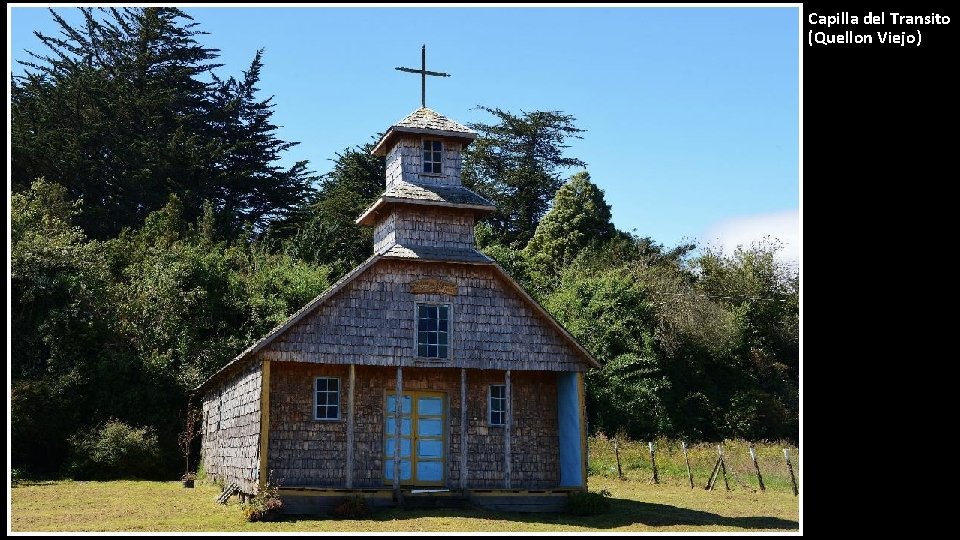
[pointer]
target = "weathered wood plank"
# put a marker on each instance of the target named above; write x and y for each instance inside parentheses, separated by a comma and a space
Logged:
(398, 418)
(463, 429)
(508, 424)
(350, 423)
(264, 423)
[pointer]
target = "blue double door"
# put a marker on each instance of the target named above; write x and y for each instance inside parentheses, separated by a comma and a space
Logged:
(423, 438)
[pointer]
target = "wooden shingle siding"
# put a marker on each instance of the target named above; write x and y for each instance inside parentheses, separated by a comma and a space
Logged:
(304, 451)
(372, 384)
(405, 162)
(231, 430)
(424, 226)
(436, 227)
(484, 442)
(535, 459)
(385, 234)
(371, 321)
(308, 452)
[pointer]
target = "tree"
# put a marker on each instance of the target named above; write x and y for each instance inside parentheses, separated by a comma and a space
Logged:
(516, 164)
(628, 396)
(191, 429)
(322, 230)
(58, 281)
(578, 218)
(114, 110)
(247, 185)
(762, 293)
(125, 109)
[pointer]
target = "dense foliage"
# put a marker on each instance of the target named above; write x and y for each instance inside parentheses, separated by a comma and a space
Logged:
(115, 450)
(516, 163)
(154, 237)
(322, 228)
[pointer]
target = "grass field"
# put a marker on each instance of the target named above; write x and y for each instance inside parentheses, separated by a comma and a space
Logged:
(166, 506)
(637, 505)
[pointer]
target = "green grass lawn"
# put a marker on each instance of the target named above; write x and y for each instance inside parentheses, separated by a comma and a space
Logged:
(167, 506)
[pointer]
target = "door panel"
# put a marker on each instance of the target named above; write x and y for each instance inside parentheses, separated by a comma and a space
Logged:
(430, 471)
(429, 427)
(422, 438)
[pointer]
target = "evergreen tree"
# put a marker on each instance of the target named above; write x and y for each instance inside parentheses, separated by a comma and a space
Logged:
(247, 185)
(323, 229)
(125, 109)
(580, 217)
(516, 164)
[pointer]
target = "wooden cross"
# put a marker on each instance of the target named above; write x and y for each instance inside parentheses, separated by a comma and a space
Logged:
(423, 75)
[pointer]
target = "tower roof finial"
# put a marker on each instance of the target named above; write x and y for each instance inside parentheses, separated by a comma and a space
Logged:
(423, 74)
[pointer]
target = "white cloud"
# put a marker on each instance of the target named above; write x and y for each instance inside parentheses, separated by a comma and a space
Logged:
(783, 226)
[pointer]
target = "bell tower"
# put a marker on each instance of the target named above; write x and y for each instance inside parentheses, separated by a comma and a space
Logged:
(425, 208)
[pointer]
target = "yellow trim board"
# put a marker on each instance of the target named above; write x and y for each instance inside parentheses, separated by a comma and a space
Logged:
(264, 421)
(312, 493)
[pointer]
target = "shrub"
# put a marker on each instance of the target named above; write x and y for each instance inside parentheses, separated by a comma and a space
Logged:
(114, 450)
(265, 506)
(353, 508)
(16, 476)
(588, 503)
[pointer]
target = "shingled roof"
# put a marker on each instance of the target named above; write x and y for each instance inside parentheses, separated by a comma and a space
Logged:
(425, 121)
(427, 195)
(431, 253)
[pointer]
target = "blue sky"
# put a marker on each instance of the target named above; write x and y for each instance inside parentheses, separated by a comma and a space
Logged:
(691, 113)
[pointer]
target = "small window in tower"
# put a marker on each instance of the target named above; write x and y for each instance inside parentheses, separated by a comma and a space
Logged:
(432, 156)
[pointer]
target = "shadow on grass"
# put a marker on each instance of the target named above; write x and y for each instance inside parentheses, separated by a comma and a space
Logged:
(25, 483)
(622, 513)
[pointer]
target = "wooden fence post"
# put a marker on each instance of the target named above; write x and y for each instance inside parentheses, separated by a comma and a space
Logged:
(616, 452)
(683, 445)
(653, 462)
(723, 467)
(793, 479)
(753, 456)
(713, 475)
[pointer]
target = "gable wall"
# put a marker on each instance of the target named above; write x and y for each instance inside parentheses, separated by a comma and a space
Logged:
(371, 321)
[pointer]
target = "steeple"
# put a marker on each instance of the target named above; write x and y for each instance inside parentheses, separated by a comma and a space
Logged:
(425, 208)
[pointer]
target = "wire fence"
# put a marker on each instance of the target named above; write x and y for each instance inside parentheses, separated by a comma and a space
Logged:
(730, 464)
